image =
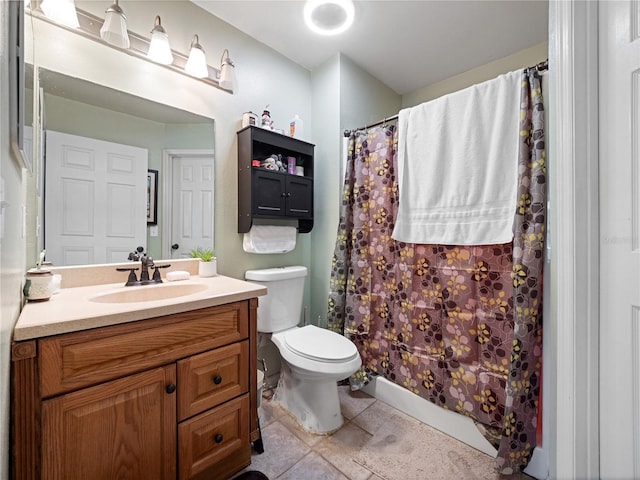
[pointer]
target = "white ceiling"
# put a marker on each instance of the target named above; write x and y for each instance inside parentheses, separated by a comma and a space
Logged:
(405, 44)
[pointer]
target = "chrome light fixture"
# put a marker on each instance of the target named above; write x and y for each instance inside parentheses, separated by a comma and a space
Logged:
(156, 49)
(329, 17)
(114, 28)
(227, 72)
(61, 11)
(197, 61)
(159, 48)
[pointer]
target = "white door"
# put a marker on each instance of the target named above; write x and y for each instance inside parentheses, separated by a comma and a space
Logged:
(619, 105)
(192, 204)
(95, 200)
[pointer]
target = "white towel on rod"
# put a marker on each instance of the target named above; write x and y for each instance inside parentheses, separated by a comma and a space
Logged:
(458, 166)
(269, 239)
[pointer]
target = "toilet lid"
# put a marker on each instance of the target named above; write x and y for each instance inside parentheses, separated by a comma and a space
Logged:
(320, 344)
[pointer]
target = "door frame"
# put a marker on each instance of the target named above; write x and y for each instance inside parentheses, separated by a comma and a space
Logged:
(571, 340)
(168, 157)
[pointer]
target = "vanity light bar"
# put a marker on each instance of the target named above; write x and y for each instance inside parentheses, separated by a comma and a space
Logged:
(90, 28)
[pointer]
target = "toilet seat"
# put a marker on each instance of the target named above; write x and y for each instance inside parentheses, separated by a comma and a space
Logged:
(320, 344)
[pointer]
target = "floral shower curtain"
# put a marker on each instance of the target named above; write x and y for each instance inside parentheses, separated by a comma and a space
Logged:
(458, 325)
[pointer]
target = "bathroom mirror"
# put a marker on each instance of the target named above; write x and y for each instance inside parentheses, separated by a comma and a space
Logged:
(87, 112)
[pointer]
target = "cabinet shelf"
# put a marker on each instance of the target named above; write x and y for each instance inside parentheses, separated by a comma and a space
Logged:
(268, 194)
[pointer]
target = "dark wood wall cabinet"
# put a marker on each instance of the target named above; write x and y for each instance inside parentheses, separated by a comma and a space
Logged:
(268, 194)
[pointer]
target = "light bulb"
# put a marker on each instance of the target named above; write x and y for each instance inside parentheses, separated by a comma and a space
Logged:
(114, 28)
(227, 72)
(159, 48)
(197, 62)
(61, 11)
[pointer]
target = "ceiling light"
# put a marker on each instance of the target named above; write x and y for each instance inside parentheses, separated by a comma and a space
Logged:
(197, 62)
(159, 48)
(329, 17)
(61, 11)
(114, 28)
(227, 72)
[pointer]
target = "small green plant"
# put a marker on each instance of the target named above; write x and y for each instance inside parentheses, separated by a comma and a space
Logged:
(204, 254)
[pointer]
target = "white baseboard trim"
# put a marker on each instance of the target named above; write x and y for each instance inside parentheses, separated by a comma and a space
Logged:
(538, 465)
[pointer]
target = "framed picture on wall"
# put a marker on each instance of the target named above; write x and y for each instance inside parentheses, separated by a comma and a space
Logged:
(152, 197)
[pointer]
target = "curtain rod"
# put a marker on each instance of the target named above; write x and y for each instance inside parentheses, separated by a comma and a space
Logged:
(375, 124)
(541, 67)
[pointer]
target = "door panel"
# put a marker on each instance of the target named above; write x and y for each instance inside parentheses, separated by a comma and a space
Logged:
(620, 239)
(127, 427)
(193, 204)
(95, 200)
(268, 193)
(300, 197)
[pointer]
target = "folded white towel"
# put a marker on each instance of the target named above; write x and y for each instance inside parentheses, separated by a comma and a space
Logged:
(269, 239)
(458, 166)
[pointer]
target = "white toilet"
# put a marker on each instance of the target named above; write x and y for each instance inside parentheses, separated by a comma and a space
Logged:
(313, 358)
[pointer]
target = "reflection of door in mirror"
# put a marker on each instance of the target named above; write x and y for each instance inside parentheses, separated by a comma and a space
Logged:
(95, 205)
(192, 212)
(77, 107)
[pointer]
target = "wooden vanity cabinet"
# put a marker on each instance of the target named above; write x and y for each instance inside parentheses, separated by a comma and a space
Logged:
(267, 194)
(172, 397)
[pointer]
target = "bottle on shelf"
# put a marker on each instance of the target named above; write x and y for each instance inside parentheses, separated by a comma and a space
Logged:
(296, 127)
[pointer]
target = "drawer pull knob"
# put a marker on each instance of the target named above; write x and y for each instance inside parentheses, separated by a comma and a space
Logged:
(217, 379)
(171, 388)
(218, 438)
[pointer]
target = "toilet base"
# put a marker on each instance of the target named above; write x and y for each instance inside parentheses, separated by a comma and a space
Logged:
(314, 404)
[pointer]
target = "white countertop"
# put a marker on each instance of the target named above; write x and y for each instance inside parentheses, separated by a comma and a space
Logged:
(72, 309)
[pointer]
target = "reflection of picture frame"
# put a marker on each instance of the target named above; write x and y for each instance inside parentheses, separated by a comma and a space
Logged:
(152, 197)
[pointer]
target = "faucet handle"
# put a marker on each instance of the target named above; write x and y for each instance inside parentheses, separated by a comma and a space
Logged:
(132, 280)
(156, 272)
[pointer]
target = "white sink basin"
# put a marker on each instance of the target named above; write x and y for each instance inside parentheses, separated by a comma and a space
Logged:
(150, 293)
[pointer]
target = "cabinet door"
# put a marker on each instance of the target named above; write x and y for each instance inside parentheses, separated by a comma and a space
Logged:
(299, 197)
(124, 429)
(268, 193)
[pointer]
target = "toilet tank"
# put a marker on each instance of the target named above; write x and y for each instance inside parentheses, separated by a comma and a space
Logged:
(280, 308)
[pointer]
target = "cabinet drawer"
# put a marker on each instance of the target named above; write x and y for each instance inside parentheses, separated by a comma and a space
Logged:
(215, 444)
(76, 360)
(211, 378)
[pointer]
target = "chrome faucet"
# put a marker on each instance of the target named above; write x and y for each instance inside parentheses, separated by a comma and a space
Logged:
(146, 262)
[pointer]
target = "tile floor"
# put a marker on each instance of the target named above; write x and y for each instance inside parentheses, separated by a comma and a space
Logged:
(376, 442)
